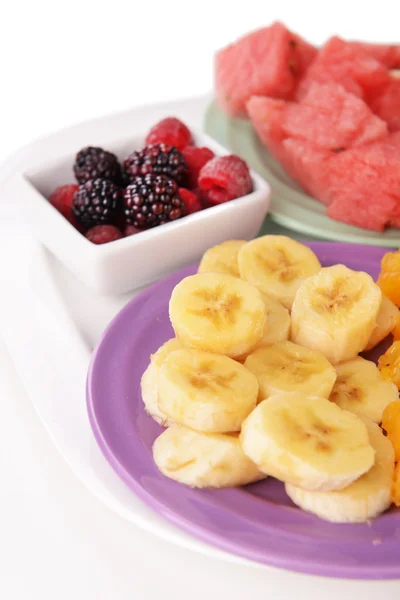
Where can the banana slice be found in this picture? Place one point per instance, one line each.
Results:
(277, 266)
(385, 321)
(361, 389)
(217, 313)
(277, 325)
(335, 312)
(149, 381)
(287, 367)
(222, 258)
(364, 499)
(203, 460)
(307, 441)
(206, 392)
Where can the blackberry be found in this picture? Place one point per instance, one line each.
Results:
(97, 202)
(92, 163)
(159, 159)
(152, 200)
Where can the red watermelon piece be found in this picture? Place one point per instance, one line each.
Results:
(387, 105)
(387, 54)
(300, 159)
(328, 117)
(360, 186)
(309, 166)
(266, 62)
(364, 185)
(302, 56)
(267, 116)
(350, 66)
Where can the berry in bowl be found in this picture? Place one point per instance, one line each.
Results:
(124, 213)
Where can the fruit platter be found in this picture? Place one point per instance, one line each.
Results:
(321, 125)
(252, 397)
(264, 399)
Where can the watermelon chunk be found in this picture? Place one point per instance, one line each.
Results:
(266, 62)
(387, 105)
(309, 166)
(387, 54)
(351, 66)
(328, 117)
(360, 186)
(303, 54)
(267, 116)
(364, 185)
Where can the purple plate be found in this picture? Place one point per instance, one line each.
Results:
(258, 522)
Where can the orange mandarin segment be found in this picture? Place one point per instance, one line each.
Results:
(390, 417)
(389, 278)
(396, 330)
(389, 364)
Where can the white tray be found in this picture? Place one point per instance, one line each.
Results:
(65, 314)
(76, 318)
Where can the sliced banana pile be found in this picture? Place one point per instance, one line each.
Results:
(263, 378)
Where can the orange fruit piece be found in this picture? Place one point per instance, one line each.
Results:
(396, 486)
(396, 330)
(389, 363)
(391, 424)
(389, 278)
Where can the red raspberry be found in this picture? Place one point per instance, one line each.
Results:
(102, 234)
(225, 178)
(216, 196)
(195, 159)
(131, 230)
(61, 198)
(190, 200)
(170, 131)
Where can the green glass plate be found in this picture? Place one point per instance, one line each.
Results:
(291, 207)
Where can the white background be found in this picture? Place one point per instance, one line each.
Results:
(64, 62)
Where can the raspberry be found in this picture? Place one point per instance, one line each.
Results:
(225, 178)
(195, 159)
(170, 131)
(102, 234)
(61, 198)
(97, 202)
(190, 200)
(396, 486)
(159, 159)
(92, 163)
(216, 196)
(152, 200)
(131, 230)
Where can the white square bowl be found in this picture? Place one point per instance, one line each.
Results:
(137, 260)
